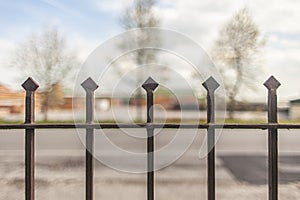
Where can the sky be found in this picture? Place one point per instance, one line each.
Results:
(87, 24)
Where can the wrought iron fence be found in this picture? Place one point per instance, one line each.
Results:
(150, 85)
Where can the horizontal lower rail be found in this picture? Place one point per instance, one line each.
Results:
(149, 125)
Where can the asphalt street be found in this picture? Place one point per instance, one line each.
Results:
(242, 152)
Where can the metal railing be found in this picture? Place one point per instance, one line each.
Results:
(150, 85)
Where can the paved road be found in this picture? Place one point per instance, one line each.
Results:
(241, 152)
(230, 141)
(240, 167)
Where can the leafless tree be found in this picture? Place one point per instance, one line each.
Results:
(141, 15)
(237, 53)
(45, 57)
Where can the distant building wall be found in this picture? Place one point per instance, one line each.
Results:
(13, 102)
(294, 112)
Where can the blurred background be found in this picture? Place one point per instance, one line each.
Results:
(245, 41)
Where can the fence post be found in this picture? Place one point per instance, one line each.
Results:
(272, 84)
(210, 85)
(89, 86)
(30, 86)
(150, 85)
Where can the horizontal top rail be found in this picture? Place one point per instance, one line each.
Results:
(149, 125)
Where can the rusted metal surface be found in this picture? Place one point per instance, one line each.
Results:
(210, 85)
(30, 86)
(272, 84)
(89, 86)
(150, 85)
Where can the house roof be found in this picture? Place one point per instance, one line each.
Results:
(4, 89)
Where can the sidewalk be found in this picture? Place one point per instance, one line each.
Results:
(63, 177)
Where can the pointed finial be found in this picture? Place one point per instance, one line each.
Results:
(272, 83)
(150, 84)
(210, 84)
(30, 85)
(89, 84)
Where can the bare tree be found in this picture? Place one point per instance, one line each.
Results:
(237, 53)
(141, 15)
(46, 58)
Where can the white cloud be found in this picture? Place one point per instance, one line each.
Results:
(83, 46)
(279, 20)
(112, 6)
(7, 73)
(201, 20)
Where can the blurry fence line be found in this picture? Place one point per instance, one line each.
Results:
(150, 85)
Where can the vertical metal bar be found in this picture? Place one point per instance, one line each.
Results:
(210, 85)
(272, 84)
(150, 85)
(30, 86)
(89, 86)
(150, 148)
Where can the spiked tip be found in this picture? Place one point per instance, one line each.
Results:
(150, 84)
(272, 83)
(89, 84)
(210, 84)
(30, 85)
